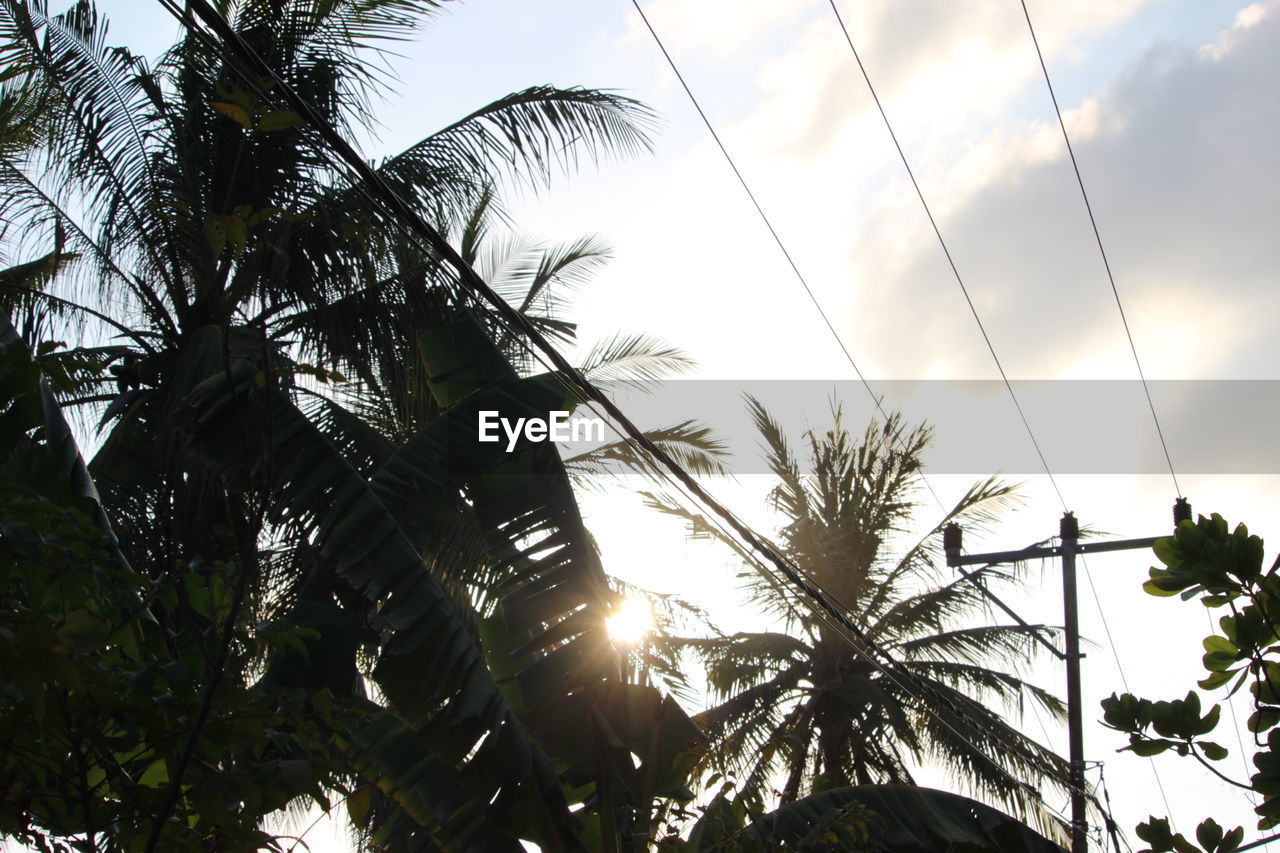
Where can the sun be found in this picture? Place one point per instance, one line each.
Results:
(631, 620)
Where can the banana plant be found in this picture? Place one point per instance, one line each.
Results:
(487, 701)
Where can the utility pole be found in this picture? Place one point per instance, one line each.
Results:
(1069, 545)
(1069, 536)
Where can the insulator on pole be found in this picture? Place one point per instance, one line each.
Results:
(1069, 528)
(1181, 511)
(952, 537)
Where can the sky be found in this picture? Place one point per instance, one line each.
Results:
(1173, 114)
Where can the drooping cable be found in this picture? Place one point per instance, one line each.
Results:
(1102, 252)
(946, 251)
(1133, 347)
(400, 212)
(978, 320)
(768, 224)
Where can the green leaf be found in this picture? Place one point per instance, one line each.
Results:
(1209, 834)
(1160, 588)
(1216, 643)
(235, 112)
(1147, 748)
(1262, 720)
(155, 776)
(278, 120)
(359, 805)
(1210, 721)
(1217, 679)
(1219, 661)
(1211, 750)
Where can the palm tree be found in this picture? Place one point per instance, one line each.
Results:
(803, 707)
(216, 232)
(537, 278)
(238, 267)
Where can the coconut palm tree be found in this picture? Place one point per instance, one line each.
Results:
(238, 268)
(802, 708)
(216, 231)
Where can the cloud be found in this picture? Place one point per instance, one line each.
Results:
(933, 63)
(718, 30)
(1178, 157)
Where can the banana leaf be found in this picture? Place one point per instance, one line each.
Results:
(52, 465)
(474, 756)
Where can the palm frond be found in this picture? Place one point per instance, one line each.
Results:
(845, 508)
(986, 644)
(694, 446)
(638, 360)
(735, 662)
(530, 135)
(933, 608)
(790, 496)
(981, 506)
(900, 818)
(989, 684)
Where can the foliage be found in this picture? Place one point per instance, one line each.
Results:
(805, 703)
(1223, 568)
(284, 557)
(247, 276)
(158, 706)
(99, 715)
(871, 818)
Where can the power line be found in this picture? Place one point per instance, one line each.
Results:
(1097, 236)
(781, 245)
(479, 290)
(768, 224)
(986, 338)
(946, 251)
(1133, 348)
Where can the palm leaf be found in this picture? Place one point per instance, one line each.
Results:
(363, 542)
(529, 135)
(635, 359)
(691, 444)
(40, 450)
(902, 819)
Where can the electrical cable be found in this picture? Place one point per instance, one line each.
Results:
(764, 217)
(768, 224)
(479, 290)
(977, 318)
(1075, 166)
(1097, 236)
(1115, 292)
(947, 253)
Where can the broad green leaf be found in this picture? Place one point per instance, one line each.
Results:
(1211, 750)
(235, 112)
(278, 120)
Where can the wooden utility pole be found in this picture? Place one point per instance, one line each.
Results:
(1069, 545)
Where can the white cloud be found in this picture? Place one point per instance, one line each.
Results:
(1247, 17)
(715, 29)
(1178, 156)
